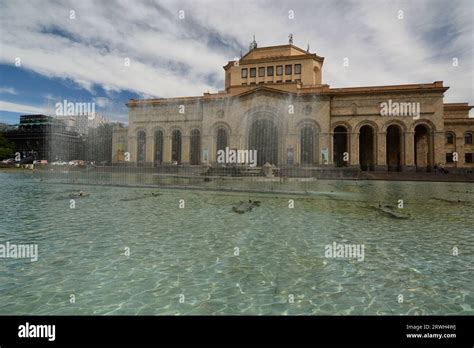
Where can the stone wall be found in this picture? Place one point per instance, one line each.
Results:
(421, 139)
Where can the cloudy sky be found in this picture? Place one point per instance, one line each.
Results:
(81, 55)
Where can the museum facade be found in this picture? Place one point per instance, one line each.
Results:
(275, 102)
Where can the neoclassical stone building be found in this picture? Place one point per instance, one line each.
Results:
(275, 102)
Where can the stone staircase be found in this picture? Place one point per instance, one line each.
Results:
(416, 176)
(236, 171)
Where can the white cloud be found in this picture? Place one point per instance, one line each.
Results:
(172, 57)
(20, 108)
(102, 102)
(8, 90)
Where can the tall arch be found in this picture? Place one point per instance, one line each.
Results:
(307, 145)
(176, 142)
(423, 150)
(141, 147)
(195, 147)
(394, 148)
(340, 146)
(222, 139)
(158, 147)
(367, 148)
(263, 137)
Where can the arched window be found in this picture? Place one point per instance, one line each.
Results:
(468, 138)
(263, 137)
(307, 145)
(394, 145)
(340, 146)
(141, 147)
(423, 150)
(176, 147)
(367, 147)
(221, 141)
(158, 147)
(195, 149)
(449, 138)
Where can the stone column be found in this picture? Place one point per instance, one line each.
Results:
(460, 150)
(207, 143)
(185, 148)
(237, 141)
(167, 149)
(381, 151)
(150, 145)
(132, 148)
(409, 149)
(292, 141)
(325, 142)
(212, 144)
(439, 155)
(353, 148)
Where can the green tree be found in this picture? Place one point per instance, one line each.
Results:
(6, 148)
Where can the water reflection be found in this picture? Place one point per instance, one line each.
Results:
(192, 251)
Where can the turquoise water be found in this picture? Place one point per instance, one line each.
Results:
(182, 261)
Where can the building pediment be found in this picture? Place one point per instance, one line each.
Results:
(266, 91)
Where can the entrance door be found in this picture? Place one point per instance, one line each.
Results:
(263, 137)
(340, 146)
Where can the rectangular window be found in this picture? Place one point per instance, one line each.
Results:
(449, 158)
(288, 69)
(261, 72)
(287, 80)
(279, 70)
(243, 73)
(297, 68)
(270, 71)
(253, 72)
(468, 158)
